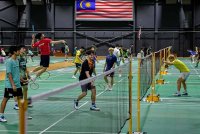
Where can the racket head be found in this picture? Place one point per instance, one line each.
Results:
(34, 85)
(45, 75)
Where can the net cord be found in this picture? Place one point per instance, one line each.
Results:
(35, 98)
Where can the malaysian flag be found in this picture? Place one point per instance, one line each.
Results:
(85, 5)
(112, 10)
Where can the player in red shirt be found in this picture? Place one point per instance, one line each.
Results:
(43, 44)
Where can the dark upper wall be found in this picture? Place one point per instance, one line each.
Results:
(64, 16)
(197, 13)
(8, 15)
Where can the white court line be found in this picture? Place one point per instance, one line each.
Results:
(67, 115)
(45, 130)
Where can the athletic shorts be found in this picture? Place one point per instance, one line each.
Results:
(184, 75)
(111, 74)
(9, 93)
(87, 87)
(78, 65)
(44, 60)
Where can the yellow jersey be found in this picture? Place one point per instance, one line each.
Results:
(77, 58)
(180, 66)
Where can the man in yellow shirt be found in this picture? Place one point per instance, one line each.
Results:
(78, 61)
(184, 70)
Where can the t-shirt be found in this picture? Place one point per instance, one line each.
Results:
(180, 66)
(22, 65)
(3, 53)
(66, 49)
(12, 66)
(110, 60)
(116, 52)
(77, 58)
(192, 52)
(43, 45)
(86, 66)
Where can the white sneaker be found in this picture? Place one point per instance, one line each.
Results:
(30, 105)
(107, 87)
(177, 94)
(94, 108)
(74, 77)
(110, 89)
(3, 119)
(29, 117)
(16, 107)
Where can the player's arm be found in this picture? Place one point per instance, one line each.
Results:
(22, 80)
(88, 76)
(104, 66)
(33, 42)
(114, 64)
(168, 62)
(8, 71)
(27, 74)
(58, 42)
(12, 82)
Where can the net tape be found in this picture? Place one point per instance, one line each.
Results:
(35, 98)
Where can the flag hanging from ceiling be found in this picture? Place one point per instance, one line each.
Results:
(111, 10)
(85, 5)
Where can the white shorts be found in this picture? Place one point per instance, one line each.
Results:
(184, 75)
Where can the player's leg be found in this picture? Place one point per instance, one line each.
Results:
(83, 94)
(93, 99)
(42, 70)
(44, 63)
(185, 88)
(107, 82)
(111, 81)
(197, 63)
(3, 106)
(16, 107)
(36, 69)
(193, 58)
(7, 93)
(73, 76)
(185, 76)
(78, 68)
(179, 81)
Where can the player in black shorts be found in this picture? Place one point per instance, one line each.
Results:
(86, 72)
(12, 81)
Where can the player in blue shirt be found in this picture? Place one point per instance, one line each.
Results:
(111, 59)
(12, 81)
(192, 55)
